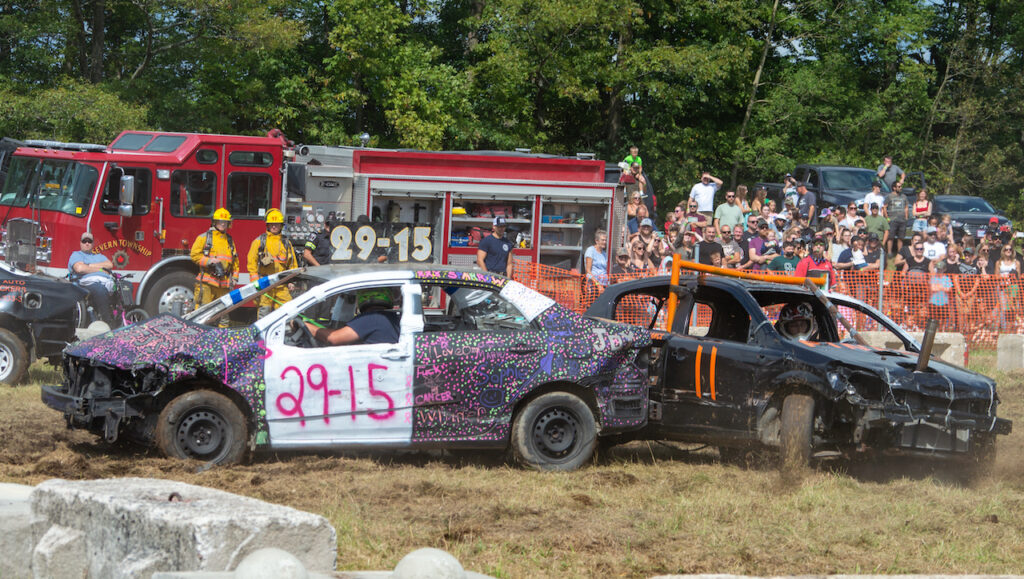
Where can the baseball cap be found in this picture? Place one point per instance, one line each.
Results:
(86, 236)
(789, 174)
(872, 237)
(621, 251)
(930, 229)
(647, 222)
(993, 219)
(828, 229)
(969, 250)
(818, 240)
(874, 205)
(499, 221)
(761, 223)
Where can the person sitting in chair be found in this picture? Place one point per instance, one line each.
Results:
(377, 322)
(89, 270)
(796, 321)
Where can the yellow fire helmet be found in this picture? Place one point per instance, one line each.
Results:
(274, 216)
(458, 210)
(222, 215)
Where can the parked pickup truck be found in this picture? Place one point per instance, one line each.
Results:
(832, 185)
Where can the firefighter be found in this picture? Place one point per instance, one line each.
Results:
(318, 249)
(214, 253)
(271, 253)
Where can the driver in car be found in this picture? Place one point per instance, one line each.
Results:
(377, 322)
(796, 321)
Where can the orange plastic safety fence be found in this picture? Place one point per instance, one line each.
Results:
(978, 306)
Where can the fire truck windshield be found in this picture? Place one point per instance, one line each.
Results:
(53, 184)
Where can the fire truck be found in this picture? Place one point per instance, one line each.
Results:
(148, 195)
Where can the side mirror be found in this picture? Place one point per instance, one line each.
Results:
(127, 196)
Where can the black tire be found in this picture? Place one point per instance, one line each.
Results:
(202, 425)
(555, 431)
(981, 461)
(135, 316)
(795, 431)
(13, 358)
(175, 286)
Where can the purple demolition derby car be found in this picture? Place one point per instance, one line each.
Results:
(491, 364)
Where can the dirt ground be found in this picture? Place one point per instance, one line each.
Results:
(649, 509)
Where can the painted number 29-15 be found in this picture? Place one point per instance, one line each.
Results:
(366, 241)
(317, 380)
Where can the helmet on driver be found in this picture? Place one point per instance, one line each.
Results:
(380, 298)
(796, 321)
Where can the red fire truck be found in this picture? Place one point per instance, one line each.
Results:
(148, 195)
(145, 198)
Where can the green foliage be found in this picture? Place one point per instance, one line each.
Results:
(72, 111)
(935, 84)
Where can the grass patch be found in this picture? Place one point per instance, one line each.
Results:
(651, 509)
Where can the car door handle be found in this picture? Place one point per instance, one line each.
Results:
(523, 349)
(394, 355)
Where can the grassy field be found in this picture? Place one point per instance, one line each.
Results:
(649, 509)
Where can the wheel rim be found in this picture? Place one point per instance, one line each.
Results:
(177, 293)
(555, 433)
(6, 362)
(203, 434)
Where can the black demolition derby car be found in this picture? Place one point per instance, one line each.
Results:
(38, 318)
(762, 365)
(459, 359)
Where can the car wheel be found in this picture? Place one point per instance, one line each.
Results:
(13, 358)
(795, 431)
(178, 286)
(137, 315)
(555, 431)
(202, 425)
(982, 458)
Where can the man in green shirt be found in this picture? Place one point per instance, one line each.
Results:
(877, 224)
(729, 213)
(786, 262)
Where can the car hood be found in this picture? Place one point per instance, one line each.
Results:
(173, 344)
(940, 379)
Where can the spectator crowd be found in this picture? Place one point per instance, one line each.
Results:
(968, 280)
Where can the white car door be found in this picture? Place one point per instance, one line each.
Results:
(357, 394)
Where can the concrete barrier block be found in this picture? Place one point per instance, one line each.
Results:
(61, 552)
(1010, 352)
(19, 531)
(949, 346)
(135, 527)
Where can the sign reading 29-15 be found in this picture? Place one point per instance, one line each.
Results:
(369, 242)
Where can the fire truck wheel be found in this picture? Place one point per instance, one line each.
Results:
(177, 286)
(13, 358)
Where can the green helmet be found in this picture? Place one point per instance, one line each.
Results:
(374, 297)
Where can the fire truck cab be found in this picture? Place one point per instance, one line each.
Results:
(145, 198)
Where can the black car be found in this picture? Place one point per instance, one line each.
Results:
(727, 376)
(969, 214)
(38, 318)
